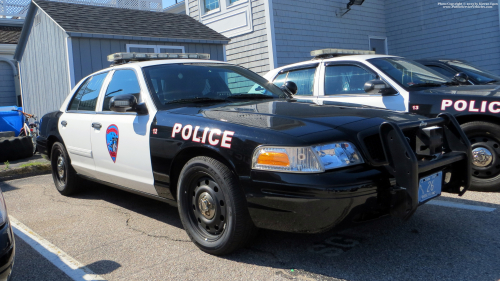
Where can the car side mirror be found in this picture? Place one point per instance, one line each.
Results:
(461, 78)
(290, 88)
(374, 87)
(127, 103)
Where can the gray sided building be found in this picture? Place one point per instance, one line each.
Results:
(266, 34)
(61, 43)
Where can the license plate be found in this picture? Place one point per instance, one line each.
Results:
(430, 187)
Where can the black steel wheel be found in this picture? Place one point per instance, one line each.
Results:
(212, 207)
(64, 176)
(485, 141)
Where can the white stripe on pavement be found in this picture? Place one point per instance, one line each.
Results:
(56, 256)
(460, 206)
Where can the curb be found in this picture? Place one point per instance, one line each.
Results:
(18, 173)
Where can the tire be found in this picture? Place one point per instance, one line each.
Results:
(484, 137)
(15, 148)
(222, 226)
(65, 178)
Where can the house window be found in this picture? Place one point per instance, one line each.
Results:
(137, 48)
(232, 1)
(211, 5)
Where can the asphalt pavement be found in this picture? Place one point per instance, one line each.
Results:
(122, 236)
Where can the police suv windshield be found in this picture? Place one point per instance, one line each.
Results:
(210, 82)
(479, 75)
(409, 74)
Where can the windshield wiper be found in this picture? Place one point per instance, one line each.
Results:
(425, 85)
(492, 81)
(197, 100)
(250, 96)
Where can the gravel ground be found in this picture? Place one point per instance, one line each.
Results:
(122, 236)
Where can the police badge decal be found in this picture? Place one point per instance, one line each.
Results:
(112, 137)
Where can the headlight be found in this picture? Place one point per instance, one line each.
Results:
(339, 154)
(309, 159)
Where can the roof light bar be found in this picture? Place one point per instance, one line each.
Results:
(126, 57)
(339, 52)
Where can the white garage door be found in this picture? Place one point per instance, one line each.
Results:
(7, 87)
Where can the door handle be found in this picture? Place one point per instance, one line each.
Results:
(64, 123)
(96, 125)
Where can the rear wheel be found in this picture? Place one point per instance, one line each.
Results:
(65, 178)
(485, 141)
(212, 207)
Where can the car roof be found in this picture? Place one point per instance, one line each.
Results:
(141, 64)
(339, 58)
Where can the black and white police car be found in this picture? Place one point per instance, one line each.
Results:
(236, 153)
(362, 77)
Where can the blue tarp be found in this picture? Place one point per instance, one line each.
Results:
(11, 120)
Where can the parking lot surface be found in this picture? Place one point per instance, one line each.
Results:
(122, 236)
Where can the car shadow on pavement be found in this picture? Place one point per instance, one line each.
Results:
(154, 209)
(437, 243)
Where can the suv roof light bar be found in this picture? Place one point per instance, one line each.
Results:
(331, 53)
(120, 58)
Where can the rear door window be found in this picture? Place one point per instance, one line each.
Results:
(304, 78)
(85, 98)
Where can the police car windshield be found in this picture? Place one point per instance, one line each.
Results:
(409, 74)
(206, 82)
(481, 76)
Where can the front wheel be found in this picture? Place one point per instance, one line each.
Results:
(485, 141)
(212, 207)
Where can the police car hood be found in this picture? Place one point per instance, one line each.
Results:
(473, 90)
(298, 118)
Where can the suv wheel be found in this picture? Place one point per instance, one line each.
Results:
(485, 141)
(212, 207)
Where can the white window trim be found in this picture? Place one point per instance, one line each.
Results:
(378, 37)
(155, 47)
(226, 11)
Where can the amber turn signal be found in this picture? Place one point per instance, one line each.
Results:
(274, 158)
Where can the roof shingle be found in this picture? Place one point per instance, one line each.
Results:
(117, 21)
(10, 34)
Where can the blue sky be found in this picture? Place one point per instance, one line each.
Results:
(167, 3)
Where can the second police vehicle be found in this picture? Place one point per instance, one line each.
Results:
(396, 83)
(236, 153)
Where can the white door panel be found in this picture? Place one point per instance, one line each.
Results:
(132, 165)
(76, 137)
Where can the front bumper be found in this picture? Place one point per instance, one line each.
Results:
(317, 202)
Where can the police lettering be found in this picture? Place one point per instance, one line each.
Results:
(472, 106)
(212, 136)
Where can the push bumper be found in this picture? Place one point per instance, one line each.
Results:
(318, 202)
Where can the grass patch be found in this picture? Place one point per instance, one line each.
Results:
(32, 164)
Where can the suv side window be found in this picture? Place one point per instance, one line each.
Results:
(346, 79)
(124, 82)
(86, 97)
(304, 78)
